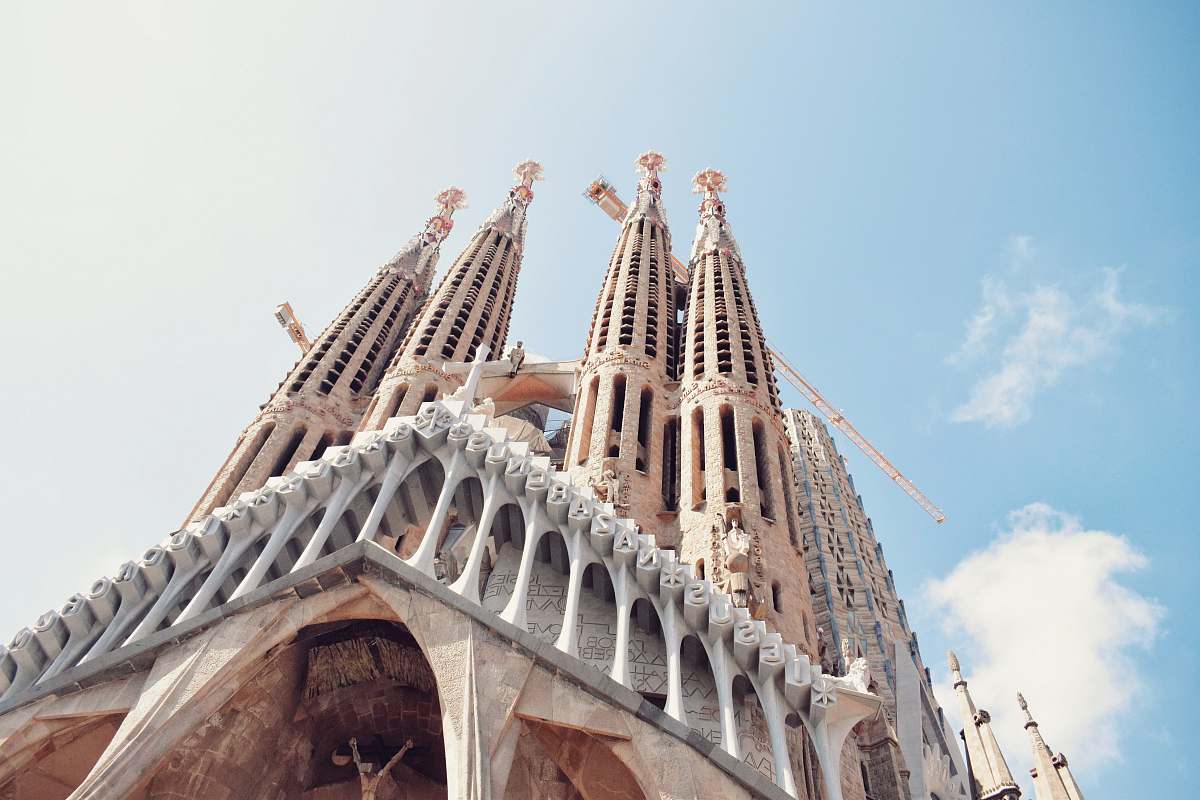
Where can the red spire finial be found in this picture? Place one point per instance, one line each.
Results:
(439, 226)
(526, 172)
(708, 182)
(650, 163)
(451, 199)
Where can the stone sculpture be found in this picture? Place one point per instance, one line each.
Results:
(516, 357)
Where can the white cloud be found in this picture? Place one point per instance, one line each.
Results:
(1048, 332)
(982, 326)
(1020, 251)
(1041, 610)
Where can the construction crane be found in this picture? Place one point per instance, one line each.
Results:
(602, 193)
(291, 323)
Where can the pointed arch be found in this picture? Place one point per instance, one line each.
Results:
(753, 740)
(51, 771)
(700, 703)
(597, 622)
(547, 595)
(647, 656)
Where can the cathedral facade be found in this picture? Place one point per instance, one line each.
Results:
(402, 583)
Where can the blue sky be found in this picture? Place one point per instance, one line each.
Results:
(898, 178)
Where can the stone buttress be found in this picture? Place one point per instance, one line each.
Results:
(322, 399)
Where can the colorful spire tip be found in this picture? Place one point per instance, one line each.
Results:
(527, 172)
(708, 181)
(651, 162)
(451, 199)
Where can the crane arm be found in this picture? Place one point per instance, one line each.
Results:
(291, 323)
(838, 420)
(603, 194)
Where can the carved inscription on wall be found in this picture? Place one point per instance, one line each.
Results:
(290, 405)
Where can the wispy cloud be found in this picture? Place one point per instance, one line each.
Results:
(1032, 336)
(1042, 610)
(981, 328)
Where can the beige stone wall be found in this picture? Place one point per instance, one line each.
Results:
(596, 446)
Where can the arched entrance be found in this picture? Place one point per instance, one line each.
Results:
(343, 699)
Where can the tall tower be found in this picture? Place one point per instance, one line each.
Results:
(470, 307)
(1052, 778)
(993, 780)
(737, 518)
(859, 613)
(321, 401)
(621, 438)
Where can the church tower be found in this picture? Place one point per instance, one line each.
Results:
(396, 585)
(1052, 778)
(621, 439)
(321, 401)
(737, 510)
(993, 780)
(470, 308)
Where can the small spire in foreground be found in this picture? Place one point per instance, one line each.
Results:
(989, 770)
(1052, 778)
(955, 667)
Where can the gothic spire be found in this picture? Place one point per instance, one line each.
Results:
(713, 231)
(509, 216)
(736, 476)
(648, 200)
(470, 308)
(993, 780)
(1052, 778)
(418, 257)
(620, 422)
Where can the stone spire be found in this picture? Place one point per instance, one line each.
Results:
(738, 493)
(322, 400)
(418, 257)
(1052, 778)
(620, 427)
(993, 780)
(470, 308)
